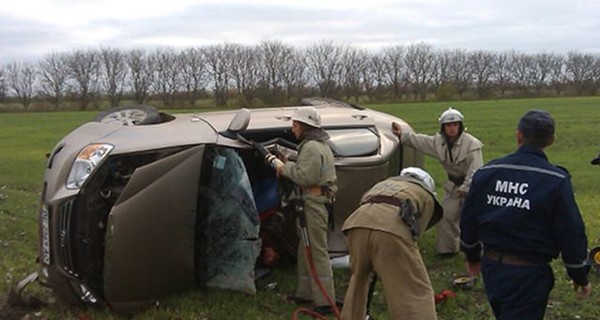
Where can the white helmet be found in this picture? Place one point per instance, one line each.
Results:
(307, 115)
(420, 175)
(451, 115)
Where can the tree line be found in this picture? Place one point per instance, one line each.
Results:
(274, 73)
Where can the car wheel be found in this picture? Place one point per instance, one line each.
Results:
(129, 116)
(316, 101)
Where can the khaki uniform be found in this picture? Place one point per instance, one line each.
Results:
(314, 168)
(380, 242)
(464, 158)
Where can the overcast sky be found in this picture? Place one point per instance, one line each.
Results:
(31, 28)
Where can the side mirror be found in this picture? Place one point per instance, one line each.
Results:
(240, 121)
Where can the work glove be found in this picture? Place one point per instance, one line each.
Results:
(273, 161)
(397, 129)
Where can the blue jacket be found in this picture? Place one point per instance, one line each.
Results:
(523, 205)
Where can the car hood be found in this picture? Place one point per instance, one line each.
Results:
(185, 129)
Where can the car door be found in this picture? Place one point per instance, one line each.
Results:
(149, 249)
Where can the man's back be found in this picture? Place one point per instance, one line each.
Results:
(523, 202)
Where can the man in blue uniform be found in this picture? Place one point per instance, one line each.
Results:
(521, 213)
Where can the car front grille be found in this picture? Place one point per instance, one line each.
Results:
(65, 212)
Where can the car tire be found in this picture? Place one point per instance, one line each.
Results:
(316, 101)
(129, 116)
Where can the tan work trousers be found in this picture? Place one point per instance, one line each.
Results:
(448, 229)
(400, 268)
(316, 225)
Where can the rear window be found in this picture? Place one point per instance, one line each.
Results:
(353, 142)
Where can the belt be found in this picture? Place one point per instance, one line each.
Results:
(385, 199)
(456, 180)
(407, 212)
(509, 259)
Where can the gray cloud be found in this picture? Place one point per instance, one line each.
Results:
(527, 26)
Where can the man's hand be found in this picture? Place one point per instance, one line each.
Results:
(473, 269)
(397, 129)
(585, 290)
(281, 156)
(274, 162)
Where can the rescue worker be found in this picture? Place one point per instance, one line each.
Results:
(382, 235)
(460, 155)
(314, 173)
(521, 210)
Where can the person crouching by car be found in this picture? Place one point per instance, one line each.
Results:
(314, 172)
(382, 235)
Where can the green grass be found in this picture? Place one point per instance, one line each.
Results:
(27, 137)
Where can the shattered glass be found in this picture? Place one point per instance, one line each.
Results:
(229, 226)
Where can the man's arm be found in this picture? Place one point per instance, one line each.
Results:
(469, 239)
(569, 231)
(306, 171)
(475, 161)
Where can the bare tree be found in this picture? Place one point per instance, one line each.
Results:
(275, 57)
(419, 61)
(245, 72)
(482, 65)
(324, 62)
(218, 59)
(166, 78)
(193, 74)
(83, 71)
(502, 72)
(294, 76)
(275, 73)
(595, 76)
(354, 64)
(113, 70)
(3, 84)
(140, 74)
(441, 75)
(54, 74)
(557, 77)
(397, 73)
(460, 73)
(21, 79)
(580, 70)
(374, 77)
(539, 72)
(521, 64)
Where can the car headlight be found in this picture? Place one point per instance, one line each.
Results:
(86, 162)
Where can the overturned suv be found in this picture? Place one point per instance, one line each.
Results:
(140, 204)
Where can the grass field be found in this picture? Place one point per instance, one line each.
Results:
(25, 138)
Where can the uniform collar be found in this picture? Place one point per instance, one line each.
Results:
(455, 143)
(533, 151)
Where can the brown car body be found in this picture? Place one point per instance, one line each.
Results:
(125, 237)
